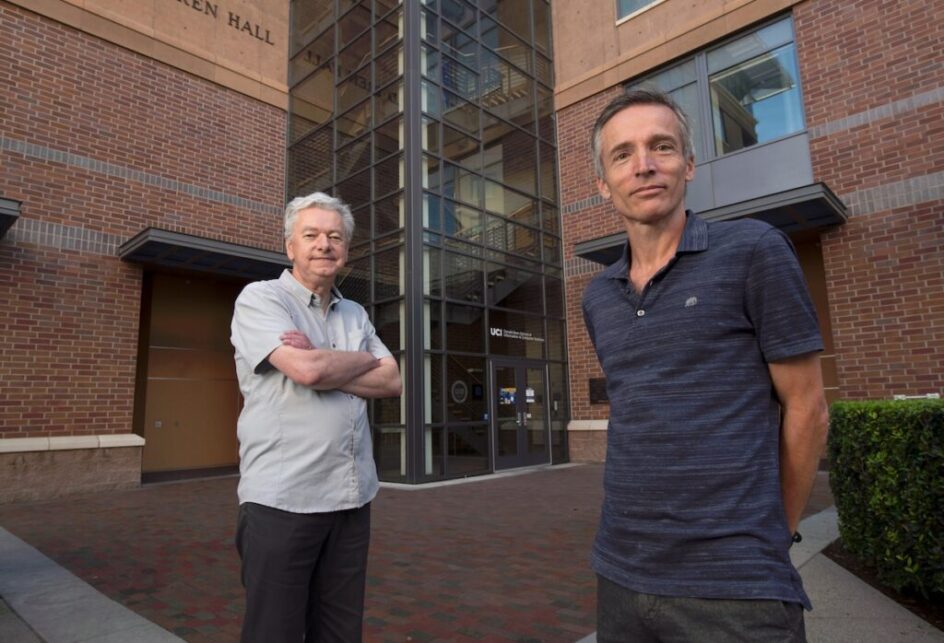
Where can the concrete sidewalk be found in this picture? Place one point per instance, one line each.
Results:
(444, 589)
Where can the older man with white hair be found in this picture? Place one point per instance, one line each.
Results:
(306, 360)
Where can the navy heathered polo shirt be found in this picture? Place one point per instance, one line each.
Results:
(692, 503)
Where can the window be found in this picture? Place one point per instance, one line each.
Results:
(743, 92)
(626, 7)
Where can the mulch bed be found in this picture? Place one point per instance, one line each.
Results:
(930, 609)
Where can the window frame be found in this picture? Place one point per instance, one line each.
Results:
(704, 139)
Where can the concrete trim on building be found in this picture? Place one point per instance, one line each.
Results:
(588, 425)
(70, 442)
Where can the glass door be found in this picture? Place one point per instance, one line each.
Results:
(520, 426)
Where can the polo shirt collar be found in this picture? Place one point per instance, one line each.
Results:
(694, 239)
(305, 296)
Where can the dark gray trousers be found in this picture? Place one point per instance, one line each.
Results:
(304, 574)
(627, 616)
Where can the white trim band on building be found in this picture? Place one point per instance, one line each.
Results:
(70, 442)
(587, 425)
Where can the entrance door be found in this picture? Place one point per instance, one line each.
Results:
(520, 428)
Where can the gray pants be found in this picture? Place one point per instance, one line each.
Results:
(304, 574)
(627, 616)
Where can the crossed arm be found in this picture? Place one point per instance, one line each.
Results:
(799, 385)
(355, 372)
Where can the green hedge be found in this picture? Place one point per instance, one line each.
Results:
(887, 477)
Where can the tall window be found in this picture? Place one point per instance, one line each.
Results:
(627, 7)
(745, 91)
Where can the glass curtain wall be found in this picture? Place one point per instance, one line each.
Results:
(451, 169)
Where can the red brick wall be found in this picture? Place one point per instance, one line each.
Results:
(69, 317)
(860, 61)
(577, 185)
(873, 85)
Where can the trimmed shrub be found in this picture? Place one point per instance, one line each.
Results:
(887, 477)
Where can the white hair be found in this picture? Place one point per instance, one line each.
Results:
(321, 201)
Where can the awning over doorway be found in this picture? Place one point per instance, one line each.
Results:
(164, 249)
(804, 209)
(9, 213)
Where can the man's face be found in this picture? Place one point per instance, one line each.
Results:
(644, 165)
(317, 247)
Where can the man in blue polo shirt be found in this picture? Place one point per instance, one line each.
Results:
(708, 340)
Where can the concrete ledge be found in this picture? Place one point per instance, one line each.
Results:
(70, 442)
(587, 425)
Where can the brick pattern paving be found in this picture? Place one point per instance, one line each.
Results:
(502, 559)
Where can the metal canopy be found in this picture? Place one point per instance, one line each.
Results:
(9, 213)
(161, 248)
(805, 209)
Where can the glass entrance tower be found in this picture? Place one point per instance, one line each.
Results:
(434, 120)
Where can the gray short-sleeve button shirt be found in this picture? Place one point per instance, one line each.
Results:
(300, 450)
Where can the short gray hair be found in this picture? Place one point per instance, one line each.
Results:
(630, 98)
(321, 201)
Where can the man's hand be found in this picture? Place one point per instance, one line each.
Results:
(297, 339)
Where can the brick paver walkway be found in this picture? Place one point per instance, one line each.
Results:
(500, 559)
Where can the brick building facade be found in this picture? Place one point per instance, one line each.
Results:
(872, 83)
(107, 132)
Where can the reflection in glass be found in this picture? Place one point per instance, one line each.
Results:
(513, 14)
(388, 214)
(433, 374)
(461, 185)
(356, 284)
(387, 30)
(467, 450)
(542, 26)
(432, 324)
(509, 203)
(514, 288)
(355, 190)
(309, 19)
(548, 172)
(309, 165)
(555, 339)
(353, 157)
(458, 78)
(354, 56)
(387, 321)
(462, 222)
(465, 388)
(390, 452)
(388, 277)
(388, 139)
(432, 283)
(506, 236)
(311, 104)
(388, 176)
(554, 296)
(353, 23)
(461, 149)
(353, 124)
(317, 55)
(388, 101)
(464, 277)
(756, 101)
(353, 90)
(559, 410)
(507, 413)
(626, 7)
(465, 328)
(388, 66)
(460, 113)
